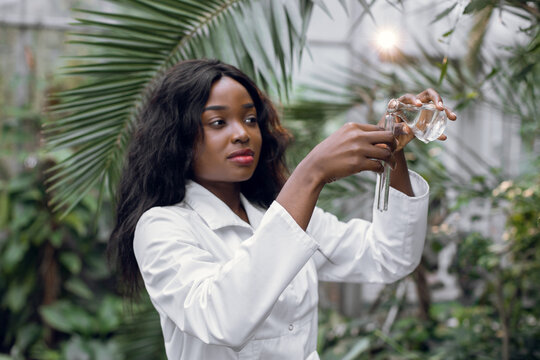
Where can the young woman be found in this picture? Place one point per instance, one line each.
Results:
(230, 248)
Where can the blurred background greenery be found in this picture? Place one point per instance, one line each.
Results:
(62, 141)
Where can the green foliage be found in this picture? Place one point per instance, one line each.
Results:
(131, 47)
(51, 272)
(57, 296)
(495, 316)
(497, 313)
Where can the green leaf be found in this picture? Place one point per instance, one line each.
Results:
(26, 336)
(21, 183)
(71, 261)
(56, 239)
(76, 223)
(77, 348)
(131, 48)
(96, 267)
(366, 7)
(322, 5)
(76, 286)
(361, 346)
(477, 5)
(17, 294)
(67, 317)
(448, 33)
(443, 13)
(104, 349)
(13, 254)
(444, 69)
(4, 209)
(110, 314)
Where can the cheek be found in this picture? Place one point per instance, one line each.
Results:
(197, 150)
(257, 138)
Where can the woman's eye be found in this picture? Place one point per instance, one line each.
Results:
(251, 120)
(216, 123)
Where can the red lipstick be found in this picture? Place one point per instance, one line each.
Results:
(242, 157)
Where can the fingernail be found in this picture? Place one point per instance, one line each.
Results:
(440, 103)
(453, 114)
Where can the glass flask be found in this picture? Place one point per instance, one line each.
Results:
(426, 122)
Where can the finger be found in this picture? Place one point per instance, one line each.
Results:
(390, 146)
(410, 99)
(374, 165)
(431, 95)
(383, 136)
(380, 152)
(450, 114)
(370, 127)
(442, 137)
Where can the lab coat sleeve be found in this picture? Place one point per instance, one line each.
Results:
(381, 251)
(219, 302)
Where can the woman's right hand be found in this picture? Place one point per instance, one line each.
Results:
(350, 150)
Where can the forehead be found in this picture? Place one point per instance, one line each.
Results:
(228, 91)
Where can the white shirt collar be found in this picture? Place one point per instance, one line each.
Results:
(215, 212)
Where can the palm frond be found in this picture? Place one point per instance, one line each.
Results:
(131, 47)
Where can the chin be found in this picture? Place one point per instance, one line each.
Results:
(245, 178)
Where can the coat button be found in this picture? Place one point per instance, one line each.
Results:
(291, 327)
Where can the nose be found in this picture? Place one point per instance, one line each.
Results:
(240, 134)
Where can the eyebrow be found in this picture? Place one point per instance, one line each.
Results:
(223, 107)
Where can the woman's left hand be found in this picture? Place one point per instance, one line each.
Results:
(402, 132)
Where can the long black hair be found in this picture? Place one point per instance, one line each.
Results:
(161, 152)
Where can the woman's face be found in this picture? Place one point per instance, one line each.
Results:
(231, 146)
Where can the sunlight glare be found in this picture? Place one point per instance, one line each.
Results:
(386, 39)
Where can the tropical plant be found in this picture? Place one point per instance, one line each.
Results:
(132, 47)
(95, 121)
(57, 298)
(501, 314)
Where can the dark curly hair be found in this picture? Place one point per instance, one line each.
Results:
(161, 152)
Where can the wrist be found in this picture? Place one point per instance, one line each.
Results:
(310, 173)
(399, 177)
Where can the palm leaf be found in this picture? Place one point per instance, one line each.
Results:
(133, 46)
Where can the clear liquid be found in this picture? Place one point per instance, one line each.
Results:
(426, 122)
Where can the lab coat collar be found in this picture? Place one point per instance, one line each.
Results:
(215, 212)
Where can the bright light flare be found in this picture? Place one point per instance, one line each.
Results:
(386, 40)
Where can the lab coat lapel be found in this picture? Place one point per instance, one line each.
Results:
(215, 213)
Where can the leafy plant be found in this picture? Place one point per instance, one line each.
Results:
(130, 48)
(96, 119)
(57, 298)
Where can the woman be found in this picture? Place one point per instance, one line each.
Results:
(229, 247)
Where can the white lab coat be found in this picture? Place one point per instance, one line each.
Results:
(226, 289)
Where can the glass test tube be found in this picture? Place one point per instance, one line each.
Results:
(383, 179)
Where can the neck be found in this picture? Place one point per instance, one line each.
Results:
(229, 193)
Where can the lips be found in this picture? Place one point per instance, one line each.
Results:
(243, 152)
(242, 157)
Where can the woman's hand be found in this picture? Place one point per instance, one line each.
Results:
(402, 132)
(350, 150)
